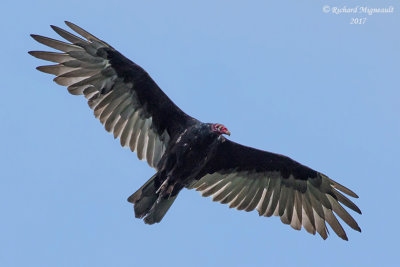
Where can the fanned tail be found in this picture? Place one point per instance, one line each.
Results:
(148, 203)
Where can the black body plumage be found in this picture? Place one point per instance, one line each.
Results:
(187, 156)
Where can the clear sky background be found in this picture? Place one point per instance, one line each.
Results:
(283, 76)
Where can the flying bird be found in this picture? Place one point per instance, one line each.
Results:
(185, 152)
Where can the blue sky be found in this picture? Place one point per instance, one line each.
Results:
(283, 76)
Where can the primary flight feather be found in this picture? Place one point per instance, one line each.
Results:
(185, 152)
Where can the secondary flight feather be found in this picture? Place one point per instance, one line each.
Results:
(185, 152)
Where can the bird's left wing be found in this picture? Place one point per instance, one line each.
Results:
(248, 179)
(123, 96)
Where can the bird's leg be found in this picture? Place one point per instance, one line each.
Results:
(165, 189)
(163, 186)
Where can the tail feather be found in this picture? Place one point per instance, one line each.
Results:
(149, 204)
(144, 198)
(159, 209)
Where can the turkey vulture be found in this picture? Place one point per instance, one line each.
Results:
(185, 152)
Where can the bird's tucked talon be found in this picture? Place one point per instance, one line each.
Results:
(169, 190)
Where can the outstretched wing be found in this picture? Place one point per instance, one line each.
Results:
(123, 96)
(248, 179)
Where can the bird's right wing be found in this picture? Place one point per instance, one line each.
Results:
(247, 178)
(123, 96)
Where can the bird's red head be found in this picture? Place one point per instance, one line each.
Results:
(219, 129)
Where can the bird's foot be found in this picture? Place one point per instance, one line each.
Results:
(169, 191)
